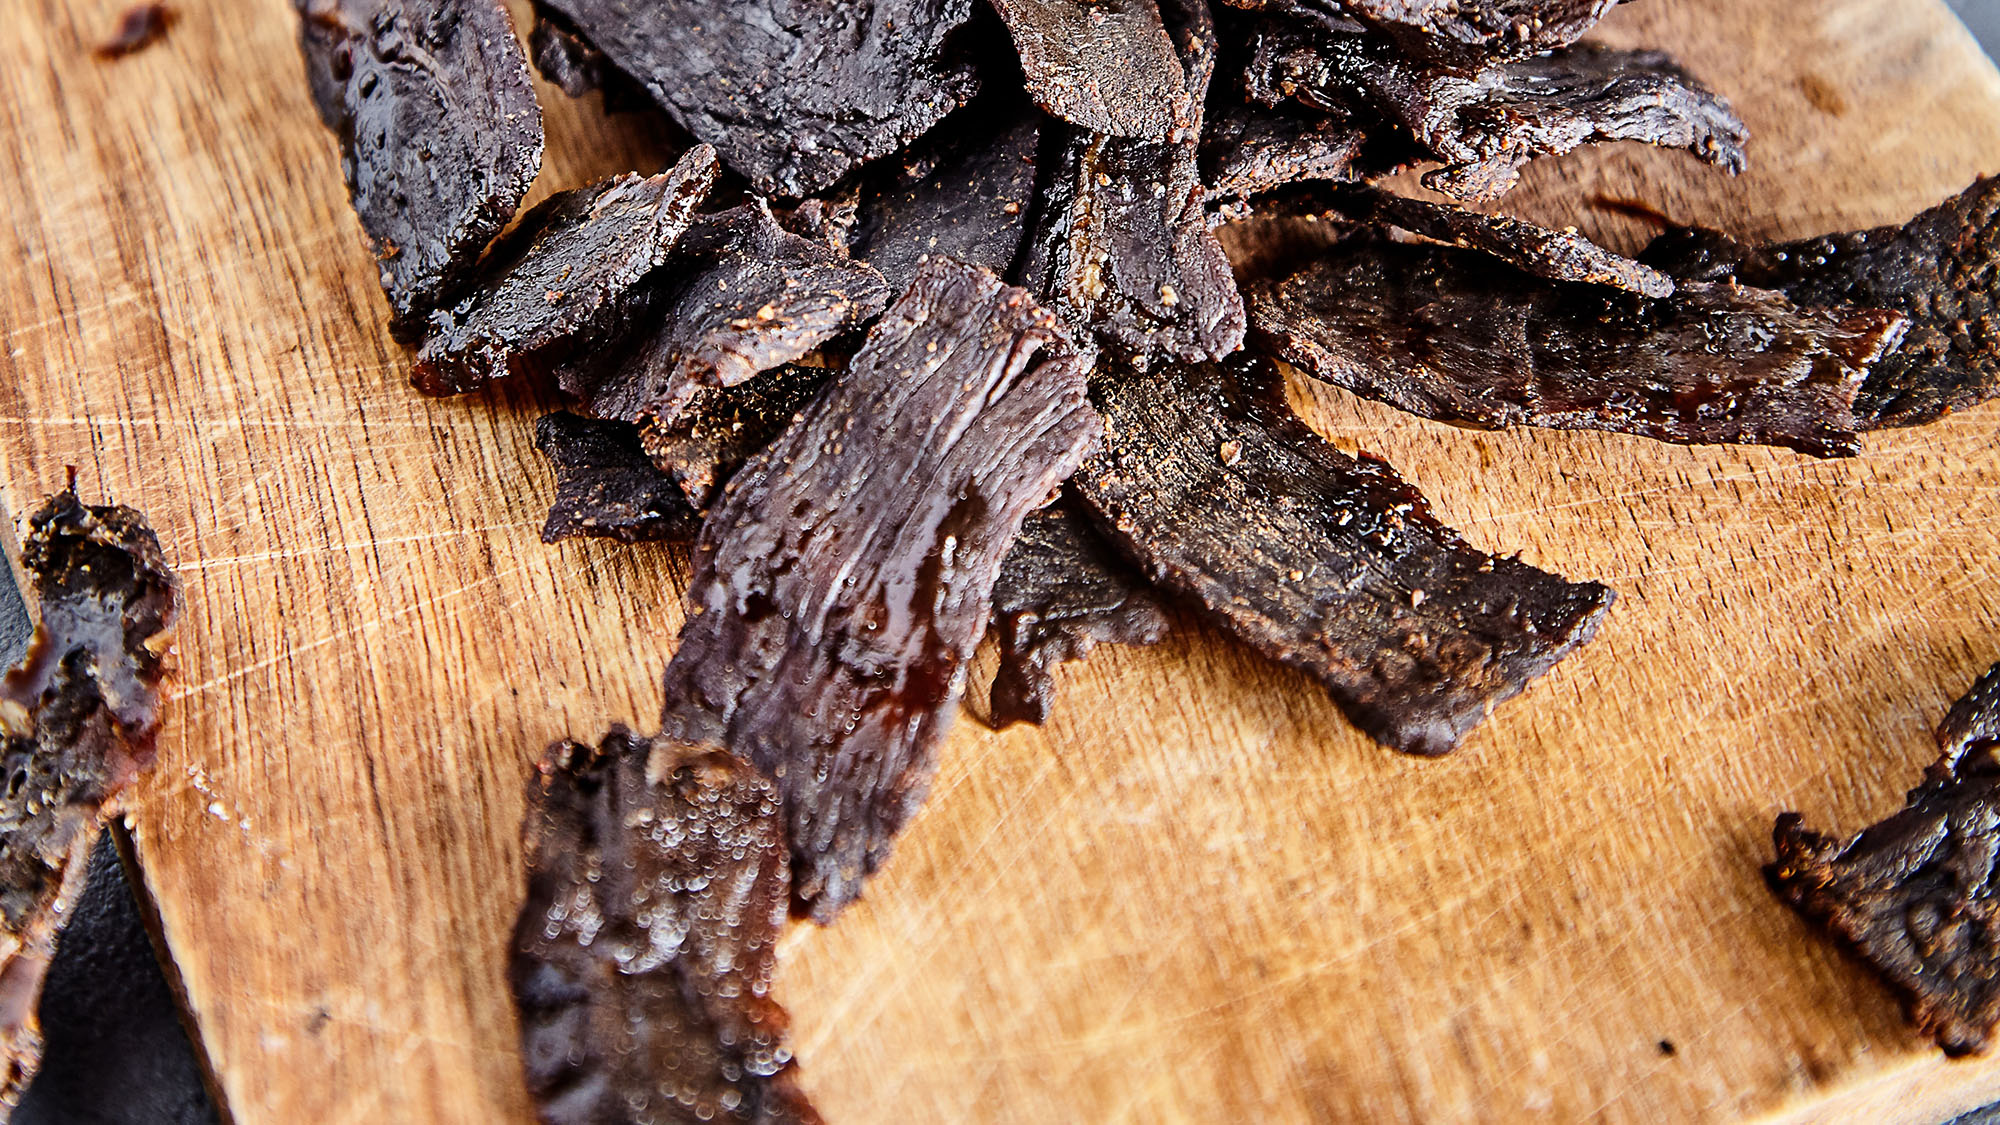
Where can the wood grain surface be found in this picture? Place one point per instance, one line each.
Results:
(1198, 895)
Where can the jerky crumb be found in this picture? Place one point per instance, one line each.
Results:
(140, 27)
(1232, 452)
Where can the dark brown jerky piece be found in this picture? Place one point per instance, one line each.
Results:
(1121, 245)
(440, 135)
(1248, 149)
(847, 573)
(739, 295)
(1061, 593)
(721, 429)
(1914, 895)
(1464, 32)
(963, 192)
(1451, 335)
(1485, 125)
(792, 93)
(567, 270)
(140, 27)
(1331, 565)
(606, 486)
(1938, 269)
(77, 715)
(643, 959)
(1104, 65)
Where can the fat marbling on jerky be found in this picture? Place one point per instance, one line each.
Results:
(643, 959)
(1062, 592)
(77, 715)
(846, 574)
(1104, 65)
(571, 266)
(1941, 269)
(606, 486)
(738, 296)
(440, 135)
(793, 93)
(1453, 335)
(1914, 895)
(1485, 125)
(1323, 562)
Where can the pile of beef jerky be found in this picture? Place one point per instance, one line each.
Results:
(921, 333)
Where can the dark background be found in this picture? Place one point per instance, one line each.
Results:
(116, 1052)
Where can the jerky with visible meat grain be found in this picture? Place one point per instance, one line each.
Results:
(567, 271)
(440, 134)
(644, 955)
(77, 718)
(1939, 269)
(1329, 564)
(606, 486)
(1452, 335)
(1914, 895)
(794, 94)
(1062, 592)
(722, 428)
(846, 574)
(1248, 149)
(1103, 65)
(1462, 32)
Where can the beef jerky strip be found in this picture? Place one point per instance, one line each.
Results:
(962, 192)
(739, 295)
(1914, 895)
(77, 715)
(1460, 32)
(606, 486)
(721, 429)
(1484, 126)
(1938, 269)
(1452, 335)
(439, 131)
(568, 269)
(846, 575)
(643, 959)
(1062, 592)
(1248, 149)
(1331, 565)
(792, 93)
(1104, 65)
(1122, 247)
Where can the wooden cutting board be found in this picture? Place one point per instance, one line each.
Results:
(1198, 895)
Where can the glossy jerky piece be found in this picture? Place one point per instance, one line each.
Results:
(1332, 565)
(440, 134)
(1914, 895)
(964, 192)
(846, 574)
(1062, 592)
(77, 716)
(1485, 125)
(1104, 65)
(1447, 334)
(643, 959)
(606, 486)
(1938, 269)
(1249, 149)
(793, 93)
(739, 296)
(141, 26)
(565, 272)
(722, 428)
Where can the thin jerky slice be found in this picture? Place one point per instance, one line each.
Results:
(1448, 334)
(846, 575)
(440, 134)
(739, 296)
(606, 486)
(963, 192)
(1484, 126)
(1121, 246)
(1331, 565)
(1914, 895)
(1062, 592)
(1104, 65)
(792, 93)
(1462, 32)
(78, 715)
(722, 428)
(569, 267)
(1248, 149)
(1938, 269)
(644, 956)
